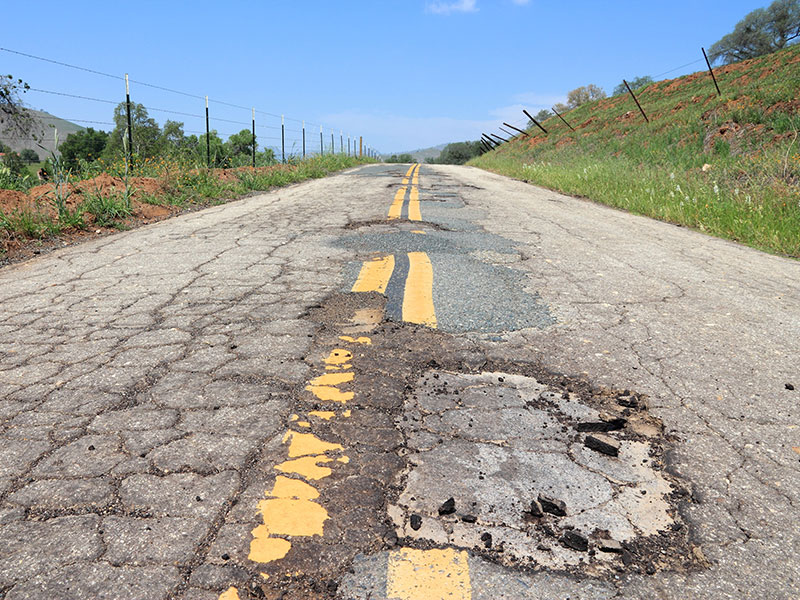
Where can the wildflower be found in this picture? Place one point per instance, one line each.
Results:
(716, 189)
(672, 175)
(678, 189)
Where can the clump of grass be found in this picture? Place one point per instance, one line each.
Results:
(728, 166)
(29, 223)
(108, 210)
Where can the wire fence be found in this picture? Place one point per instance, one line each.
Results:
(491, 140)
(288, 137)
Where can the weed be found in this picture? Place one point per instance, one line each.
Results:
(107, 210)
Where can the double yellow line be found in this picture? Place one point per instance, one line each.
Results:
(376, 273)
(418, 306)
(396, 209)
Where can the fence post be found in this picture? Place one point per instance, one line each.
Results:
(525, 133)
(360, 146)
(635, 100)
(254, 137)
(208, 139)
(321, 149)
(562, 118)
(304, 138)
(710, 70)
(535, 122)
(348, 144)
(333, 147)
(341, 142)
(283, 142)
(130, 129)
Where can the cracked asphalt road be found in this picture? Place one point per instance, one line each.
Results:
(174, 397)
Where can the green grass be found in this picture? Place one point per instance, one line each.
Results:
(743, 186)
(108, 210)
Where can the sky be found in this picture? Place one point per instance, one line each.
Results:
(402, 74)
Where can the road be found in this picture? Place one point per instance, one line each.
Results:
(401, 382)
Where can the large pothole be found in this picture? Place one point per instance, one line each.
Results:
(533, 475)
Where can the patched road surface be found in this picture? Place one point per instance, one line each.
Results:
(403, 382)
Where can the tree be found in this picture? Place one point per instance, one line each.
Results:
(85, 145)
(458, 153)
(29, 155)
(241, 144)
(15, 164)
(584, 94)
(399, 158)
(561, 107)
(13, 115)
(172, 135)
(762, 31)
(219, 154)
(145, 132)
(635, 83)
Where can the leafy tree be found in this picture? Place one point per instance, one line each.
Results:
(172, 135)
(219, 152)
(543, 115)
(762, 31)
(29, 155)
(561, 107)
(85, 145)
(12, 112)
(458, 153)
(15, 164)
(584, 94)
(241, 144)
(635, 83)
(145, 132)
(400, 158)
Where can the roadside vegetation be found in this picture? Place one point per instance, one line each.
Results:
(727, 165)
(96, 182)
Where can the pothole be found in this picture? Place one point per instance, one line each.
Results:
(531, 475)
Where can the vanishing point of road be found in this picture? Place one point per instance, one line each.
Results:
(405, 382)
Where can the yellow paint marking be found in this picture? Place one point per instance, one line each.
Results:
(428, 575)
(305, 444)
(303, 424)
(292, 516)
(408, 173)
(347, 413)
(413, 205)
(415, 176)
(230, 594)
(264, 575)
(359, 340)
(307, 467)
(338, 356)
(419, 231)
(374, 275)
(286, 487)
(343, 459)
(418, 295)
(330, 394)
(396, 209)
(332, 378)
(293, 418)
(322, 414)
(264, 549)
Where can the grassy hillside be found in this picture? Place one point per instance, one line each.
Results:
(728, 166)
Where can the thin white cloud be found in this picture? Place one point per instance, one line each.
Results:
(448, 8)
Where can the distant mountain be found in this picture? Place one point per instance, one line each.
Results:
(421, 154)
(42, 133)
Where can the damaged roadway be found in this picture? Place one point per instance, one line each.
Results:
(203, 408)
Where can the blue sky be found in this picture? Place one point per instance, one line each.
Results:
(404, 74)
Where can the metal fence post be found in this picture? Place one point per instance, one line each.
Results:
(635, 100)
(283, 141)
(333, 148)
(130, 129)
(710, 70)
(321, 149)
(360, 145)
(208, 139)
(304, 139)
(254, 137)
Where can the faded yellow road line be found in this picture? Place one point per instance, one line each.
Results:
(418, 295)
(396, 209)
(428, 575)
(414, 213)
(408, 173)
(375, 275)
